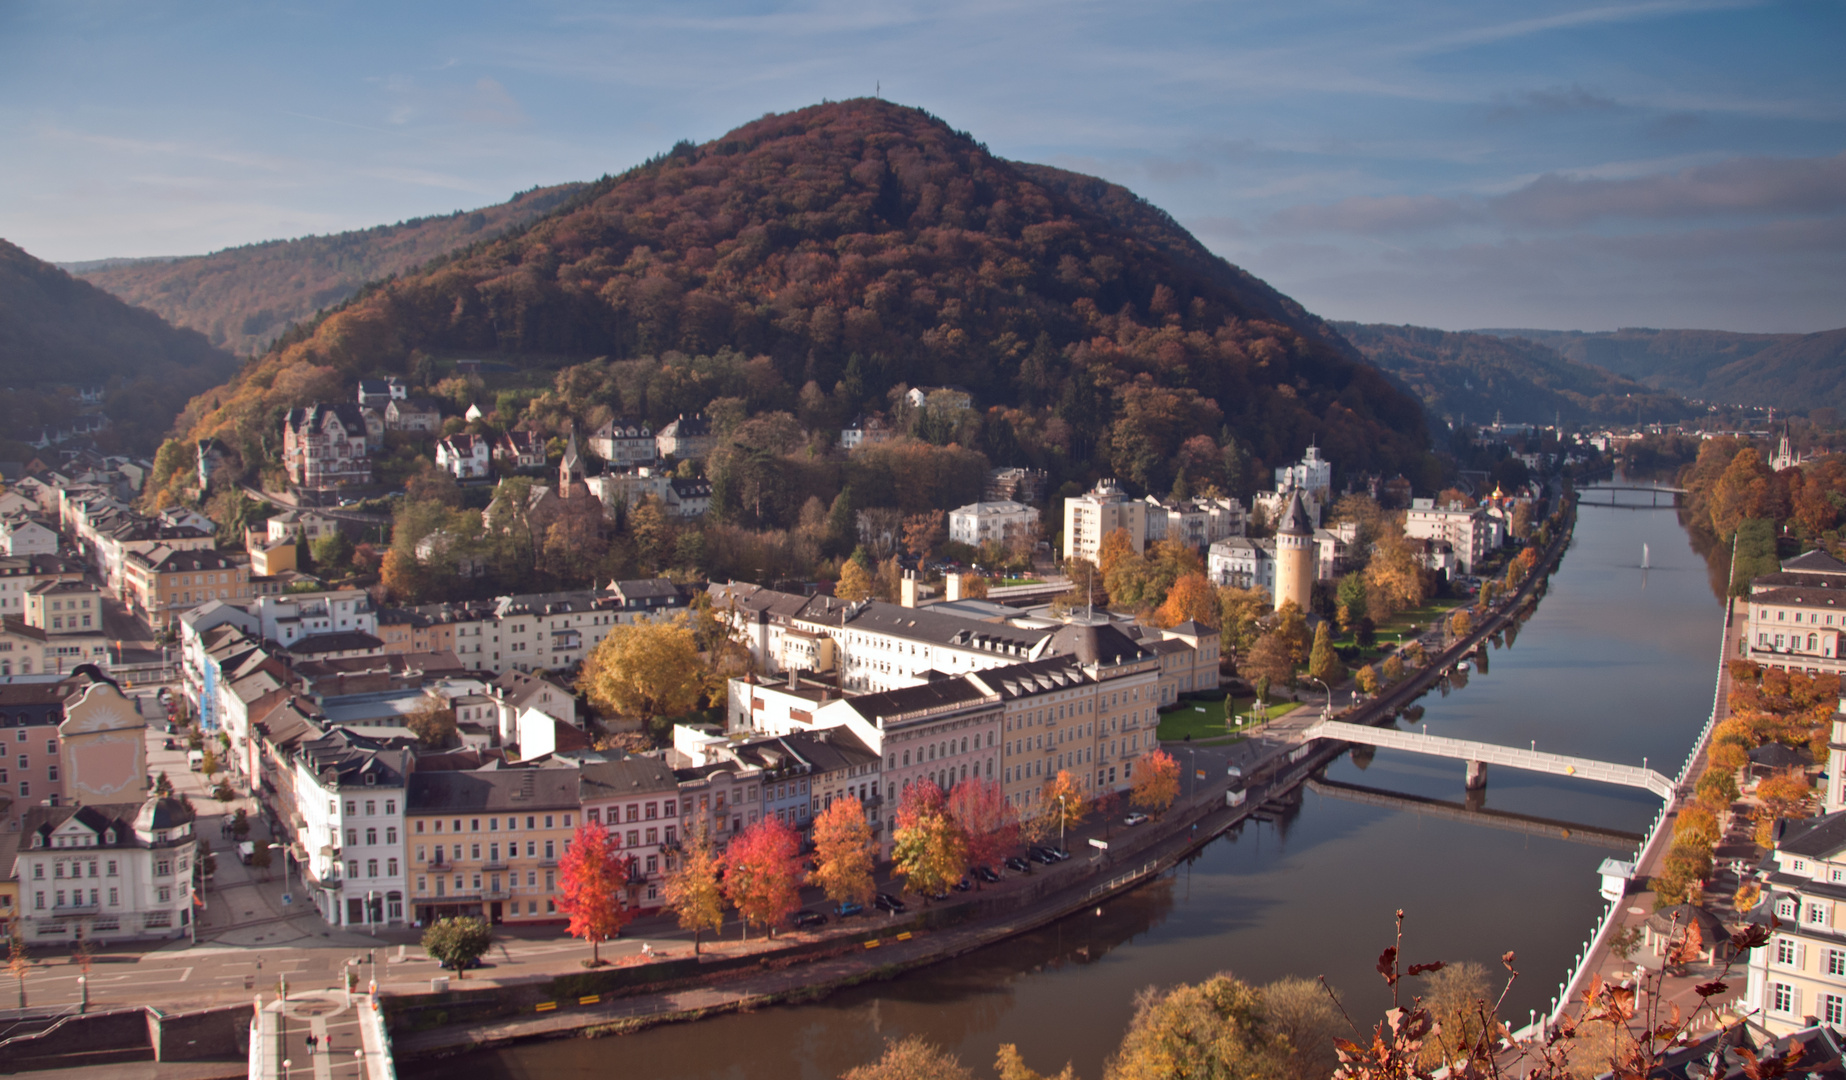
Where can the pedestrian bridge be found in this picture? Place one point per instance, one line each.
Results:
(1479, 755)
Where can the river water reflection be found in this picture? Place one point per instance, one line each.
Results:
(1617, 663)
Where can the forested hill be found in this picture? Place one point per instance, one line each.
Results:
(1472, 378)
(855, 246)
(1795, 372)
(58, 334)
(243, 298)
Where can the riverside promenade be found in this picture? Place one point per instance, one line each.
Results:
(1633, 910)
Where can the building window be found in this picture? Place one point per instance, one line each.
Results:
(1785, 908)
(1784, 950)
(390, 867)
(1817, 915)
(1836, 962)
(1781, 998)
(1832, 1010)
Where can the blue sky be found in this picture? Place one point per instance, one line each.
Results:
(1462, 164)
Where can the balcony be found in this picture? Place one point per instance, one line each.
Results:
(494, 864)
(71, 911)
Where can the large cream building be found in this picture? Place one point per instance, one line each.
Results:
(1095, 514)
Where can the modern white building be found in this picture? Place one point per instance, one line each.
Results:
(1472, 534)
(1006, 523)
(1095, 514)
(1197, 523)
(1312, 474)
(349, 841)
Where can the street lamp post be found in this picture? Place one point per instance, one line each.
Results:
(1328, 715)
(359, 1063)
(1061, 823)
(283, 848)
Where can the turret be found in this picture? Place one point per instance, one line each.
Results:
(1295, 555)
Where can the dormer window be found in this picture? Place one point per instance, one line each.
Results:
(109, 836)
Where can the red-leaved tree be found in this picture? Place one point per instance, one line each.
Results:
(762, 874)
(988, 821)
(591, 890)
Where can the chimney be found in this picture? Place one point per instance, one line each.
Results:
(951, 585)
(908, 595)
(794, 679)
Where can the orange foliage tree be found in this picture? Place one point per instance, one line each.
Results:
(1156, 782)
(1191, 597)
(762, 874)
(989, 822)
(592, 877)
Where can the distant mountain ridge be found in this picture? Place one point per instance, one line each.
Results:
(59, 332)
(1794, 372)
(1476, 377)
(243, 298)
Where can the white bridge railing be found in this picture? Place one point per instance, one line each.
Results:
(1494, 754)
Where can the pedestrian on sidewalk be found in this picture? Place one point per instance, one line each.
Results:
(311, 1043)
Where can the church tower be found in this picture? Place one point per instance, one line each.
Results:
(1295, 556)
(570, 470)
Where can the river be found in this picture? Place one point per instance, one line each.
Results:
(1617, 663)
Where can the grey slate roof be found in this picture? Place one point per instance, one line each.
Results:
(1295, 520)
(1815, 562)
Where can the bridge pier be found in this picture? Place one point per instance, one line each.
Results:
(1477, 776)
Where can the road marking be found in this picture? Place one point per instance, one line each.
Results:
(545, 1006)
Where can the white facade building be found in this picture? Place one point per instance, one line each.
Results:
(1095, 514)
(1472, 534)
(1005, 523)
(349, 792)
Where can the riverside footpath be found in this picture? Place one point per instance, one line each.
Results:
(671, 985)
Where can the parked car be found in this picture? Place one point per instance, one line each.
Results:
(887, 902)
(1135, 818)
(1043, 856)
(963, 885)
(806, 919)
(986, 874)
(848, 907)
(1014, 862)
(170, 744)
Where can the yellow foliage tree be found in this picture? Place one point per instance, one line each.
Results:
(843, 852)
(1062, 802)
(855, 582)
(694, 888)
(650, 668)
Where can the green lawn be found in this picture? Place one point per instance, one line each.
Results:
(1204, 720)
(1398, 628)
(1007, 582)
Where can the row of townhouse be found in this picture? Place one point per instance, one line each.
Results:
(383, 835)
(19, 574)
(523, 633)
(1085, 701)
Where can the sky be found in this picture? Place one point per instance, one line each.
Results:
(1557, 164)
